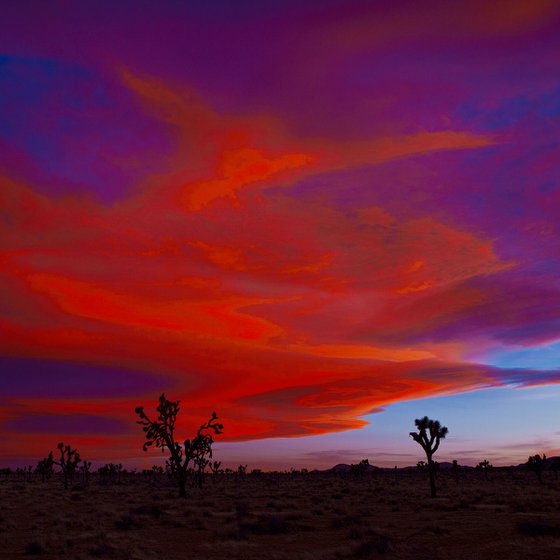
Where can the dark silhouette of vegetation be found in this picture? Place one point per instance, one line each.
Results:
(536, 464)
(68, 462)
(45, 467)
(484, 466)
(429, 435)
(161, 433)
(110, 473)
(85, 471)
(361, 468)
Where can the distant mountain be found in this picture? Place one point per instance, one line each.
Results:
(340, 468)
(551, 463)
(344, 468)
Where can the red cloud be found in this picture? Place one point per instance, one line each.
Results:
(287, 318)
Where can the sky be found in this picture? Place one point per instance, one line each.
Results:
(321, 220)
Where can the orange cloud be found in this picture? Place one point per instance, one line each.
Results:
(221, 156)
(289, 318)
(236, 169)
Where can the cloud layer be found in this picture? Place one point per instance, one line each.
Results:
(294, 257)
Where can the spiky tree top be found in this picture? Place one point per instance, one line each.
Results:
(536, 462)
(429, 434)
(69, 458)
(161, 433)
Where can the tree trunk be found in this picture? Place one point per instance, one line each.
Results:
(182, 483)
(432, 477)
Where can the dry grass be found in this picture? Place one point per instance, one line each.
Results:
(280, 517)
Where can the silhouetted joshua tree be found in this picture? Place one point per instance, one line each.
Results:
(45, 467)
(484, 466)
(429, 435)
(215, 467)
(161, 432)
(68, 462)
(536, 464)
(203, 454)
(85, 471)
(361, 468)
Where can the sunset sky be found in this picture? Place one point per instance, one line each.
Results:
(320, 219)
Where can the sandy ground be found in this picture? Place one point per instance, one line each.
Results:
(281, 517)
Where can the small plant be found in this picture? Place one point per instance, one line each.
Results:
(536, 464)
(161, 433)
(68, 462)
(429, 435)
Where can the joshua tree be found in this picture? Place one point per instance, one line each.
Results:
(45, 467)
(110, 473)
(429, 435)
(68, 462)
(361, 468)
(484, 466)
(161, 432)
(201, 457)
(85, 471)
(536, 464)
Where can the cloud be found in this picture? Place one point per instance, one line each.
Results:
(48, 379)
(61, 425)
(223, 281)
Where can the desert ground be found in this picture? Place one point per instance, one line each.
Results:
(285, 516)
